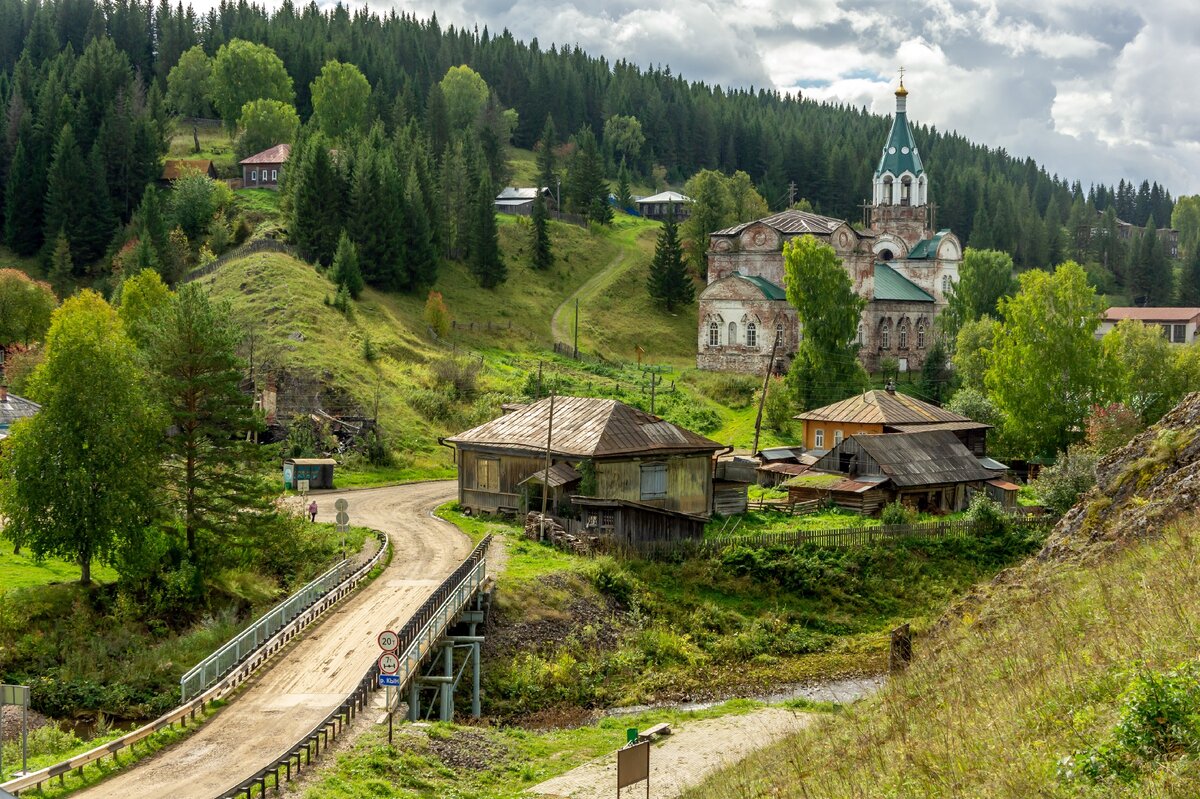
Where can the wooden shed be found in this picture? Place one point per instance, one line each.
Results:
(625, 452)
(626, 522)
(317, 471)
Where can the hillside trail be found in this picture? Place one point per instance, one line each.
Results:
(683, 759)
(306, 682)
(560, 329)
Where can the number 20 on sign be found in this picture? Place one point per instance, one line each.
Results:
(388, 641)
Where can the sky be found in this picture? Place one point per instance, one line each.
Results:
(1095, 90)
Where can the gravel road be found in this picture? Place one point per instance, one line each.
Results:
(306, 682)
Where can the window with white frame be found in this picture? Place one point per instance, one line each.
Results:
(837, 437)
(254, 176)
(903, 336)
(921, 335)
(732, 334)
(885, 336)
(860, 335)
(714, 334)
(1179, 334)
(274, 175)
(819, 438)
(946, 284)
(779, 332)
(654, 481)
(751, 334)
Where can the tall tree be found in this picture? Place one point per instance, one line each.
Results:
(826, 368)
(543, 256)
(1189, 280)
(670, 283)
(341, 97)
(81, 476)
(466, 94)
(1046, 367)
(317, 201)
(25, 308)
(189, 87)
(345, 272)
(1143, 360)
(984, 278)
(244, 71)
(25, 196)
(586, 188)
(486, 262)
(711, 210)
(264, 124)
(212, 468)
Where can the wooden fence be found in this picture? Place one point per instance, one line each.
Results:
(249, 248)
(783, 506)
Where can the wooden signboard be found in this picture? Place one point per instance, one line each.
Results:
(633, 766)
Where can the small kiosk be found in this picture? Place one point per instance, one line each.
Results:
(317, 471)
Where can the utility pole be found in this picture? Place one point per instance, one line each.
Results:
(575, 355)
(763, 399)
(546, 474)
(791, 193)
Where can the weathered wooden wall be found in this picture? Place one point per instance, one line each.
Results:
(689, 482)
(512, 468)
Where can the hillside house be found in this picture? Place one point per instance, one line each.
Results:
(929, 470)
(519, 201)
(660, 206)
(13, 409)
(264, 170)
(1178, 325)
(887, 411)
(626, 453)
(175, 168)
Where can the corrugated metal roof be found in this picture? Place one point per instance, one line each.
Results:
(780, 453)
(991, 464)
(784, 468)
(882, 407)
(275, 155)
(1177, 315)
(927, 248)
(789, 222)
(891, 285)
(768, 289)
(921, 428)
(14, 408)
(665, 197)
(1003, 484)
(518, 193)
(561, 474)
(929, 458)
(585, 427)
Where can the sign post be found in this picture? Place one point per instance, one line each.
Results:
(17, 696)
(343, 521)
(389, 664)
(633, 766)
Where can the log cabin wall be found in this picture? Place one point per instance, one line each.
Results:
(689, 482)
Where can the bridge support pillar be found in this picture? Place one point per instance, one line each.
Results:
(414, 700)
(446, 712)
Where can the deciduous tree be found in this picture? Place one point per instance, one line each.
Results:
(1146, 378)
(984, 277)
(25, 308)
(341, 97)
(264, 124)
(245, 71)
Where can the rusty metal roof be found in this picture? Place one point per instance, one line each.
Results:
(561, 474)
(784, 468)
(173, 168)
(274, 155)
(1116, 314)
(585, 427)
(929, 458)
(882, 407)
(790, 222)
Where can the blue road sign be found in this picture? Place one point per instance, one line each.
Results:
(390, 679)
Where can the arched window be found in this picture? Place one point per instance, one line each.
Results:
(887, 191)
(920, 335)
(903, 337)
(906, 191)
(732, 334)
(860, 335)
(885, 336)
(714, 334)
(751, 335)
(946, 284)
(779, 332)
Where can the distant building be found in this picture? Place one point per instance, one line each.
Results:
(899, 261)
(659, 206)
(1169, 237)
(1178, 324)
(264, 170)
(175, 168)
(515, 200)
(13, 409)
(878, 412)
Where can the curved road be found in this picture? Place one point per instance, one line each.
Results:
(298, 689)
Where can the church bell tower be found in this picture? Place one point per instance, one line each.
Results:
(900, 190)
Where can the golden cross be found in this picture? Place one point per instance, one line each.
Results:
(902, 75)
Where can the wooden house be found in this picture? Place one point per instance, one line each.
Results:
(519, 200)
(175, 168)
(875, 412)
(263, 170)
(930, 470)
(626, 522)
(13, 409)
(624, 452)
(660, 206)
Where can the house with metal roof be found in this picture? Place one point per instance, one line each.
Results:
(898, 260)
(599, 447)
(887, 411)
(264, 170)
(13, 409)
(1178, 325)
(660, 206)
(519, 200)
(929, 470)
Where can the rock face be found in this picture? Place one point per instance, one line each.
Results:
(1140, 488)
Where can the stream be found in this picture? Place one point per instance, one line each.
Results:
(843, 691)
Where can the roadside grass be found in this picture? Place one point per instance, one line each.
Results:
(365, 475)
(483, 762)
(762, 522)
(525, 560)
(23, 570)
(1054, 681)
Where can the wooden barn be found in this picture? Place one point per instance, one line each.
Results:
(618, 452)
(930, 470)
(626, 522)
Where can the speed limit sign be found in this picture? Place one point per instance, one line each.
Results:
(388, 663)
(388, 641)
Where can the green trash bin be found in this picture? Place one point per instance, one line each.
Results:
(631, 735)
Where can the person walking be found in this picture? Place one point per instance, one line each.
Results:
(312, 511)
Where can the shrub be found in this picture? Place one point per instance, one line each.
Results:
(987, 516)
(778, 407)
(370, 354)
(612, 579)
(1060, 486)
(437, 315)
(460, 375)
(897, 513)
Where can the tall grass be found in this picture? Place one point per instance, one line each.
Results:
(1014, 693)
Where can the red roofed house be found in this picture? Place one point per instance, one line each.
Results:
(1178, 324)
(263, 170)
(175, 168)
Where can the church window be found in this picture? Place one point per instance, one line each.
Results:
(946, 284)
(885, 336)
(779, 332)
(887, 191)
(906, 191)
(714, 334)
(751, 335)
(860, 335)
(921, 336)
(886, 255)
(903, 337)
(732, 333)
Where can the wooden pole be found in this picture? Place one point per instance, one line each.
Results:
(763, 399)
(546, 474)
(576, 352)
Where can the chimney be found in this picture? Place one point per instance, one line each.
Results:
(890, 387)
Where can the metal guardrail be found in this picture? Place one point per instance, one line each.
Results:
(225, 659)
(416, 639)
(187, 711)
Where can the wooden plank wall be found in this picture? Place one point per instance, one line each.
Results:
(689, 482)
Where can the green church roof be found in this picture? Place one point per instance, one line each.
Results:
(768, 289)
(891, 285)
(900, 153)
(927, 248)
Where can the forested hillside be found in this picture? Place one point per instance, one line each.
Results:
(661, 125)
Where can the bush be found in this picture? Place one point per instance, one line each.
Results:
(987, 516)
(1060, 486)
(897, 513)
(778, 407)
(460, 375)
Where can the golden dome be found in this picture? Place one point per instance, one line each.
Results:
(902, 92)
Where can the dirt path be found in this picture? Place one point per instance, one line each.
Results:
(561, 323)
(309, 680)
(684, 758)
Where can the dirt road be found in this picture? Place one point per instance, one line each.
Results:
(295, 692)
(683, 759)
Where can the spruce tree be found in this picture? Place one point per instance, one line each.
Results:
(64, 186)
(670, 284)
(543, 256)
(421, 259)
(317, 214)
(23, 204)
(96, 221)
(547, 177)
(624, 198)
(61, 266)
(486, 262)
(587, 188)
(1189, 281)
(345, 272)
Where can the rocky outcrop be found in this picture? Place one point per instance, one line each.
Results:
(1140, 488)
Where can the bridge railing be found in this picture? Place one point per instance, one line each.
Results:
(416, 638)
(188, 710)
